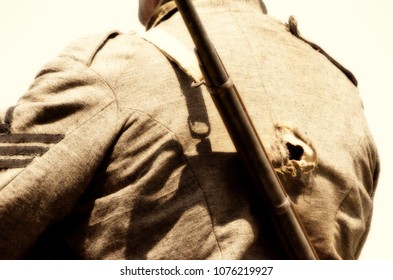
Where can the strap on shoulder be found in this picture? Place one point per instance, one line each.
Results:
(175, 51)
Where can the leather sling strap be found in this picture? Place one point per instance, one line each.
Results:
(175, 51)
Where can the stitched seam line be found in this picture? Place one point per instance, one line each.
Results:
(167, 129)
(357, 248)
(173, 135)
(69, 134)
(292, 24)
(353, 186)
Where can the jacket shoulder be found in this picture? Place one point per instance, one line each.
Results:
(293, 28)
(84, 49)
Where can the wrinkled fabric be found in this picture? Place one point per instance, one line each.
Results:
(143, 168)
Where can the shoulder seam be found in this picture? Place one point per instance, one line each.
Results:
(110, 35)
(91, 45)
(292, 26)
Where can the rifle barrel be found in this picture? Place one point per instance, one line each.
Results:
(226, 98)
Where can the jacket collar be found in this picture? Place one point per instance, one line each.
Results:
(163, 12)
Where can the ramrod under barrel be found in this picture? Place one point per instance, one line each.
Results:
(287, 224)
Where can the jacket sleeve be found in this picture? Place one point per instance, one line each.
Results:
(354, 215)
(50, 144)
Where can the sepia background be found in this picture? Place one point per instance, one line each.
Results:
(356, 33)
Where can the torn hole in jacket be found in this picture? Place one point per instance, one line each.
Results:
(294, 160)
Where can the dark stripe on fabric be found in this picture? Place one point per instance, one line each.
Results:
(22, 150)
(14, 163)
(31, 138)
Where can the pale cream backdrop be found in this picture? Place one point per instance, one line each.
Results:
(357, 33)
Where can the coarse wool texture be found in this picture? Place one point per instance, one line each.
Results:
(146, 169)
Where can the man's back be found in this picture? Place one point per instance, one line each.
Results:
(144, 169)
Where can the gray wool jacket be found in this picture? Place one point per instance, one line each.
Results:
(111, 154)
